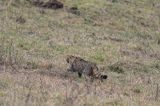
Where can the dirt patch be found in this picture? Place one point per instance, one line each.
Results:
(52, 4)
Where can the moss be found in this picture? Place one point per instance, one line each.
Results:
(2, 94)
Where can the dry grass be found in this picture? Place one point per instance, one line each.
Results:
(42, 89)
(122, 37)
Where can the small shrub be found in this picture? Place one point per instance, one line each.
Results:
(74, 10)
(60, 49)
(3, 84)
(88, 20)
(116, 68)
(20, 20)
(2, 94)
(136, 90)
(30, 65)
(158, 41)
(98, 57)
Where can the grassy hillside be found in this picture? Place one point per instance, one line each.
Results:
(121, 36)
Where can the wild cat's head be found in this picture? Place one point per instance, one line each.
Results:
(70, 59)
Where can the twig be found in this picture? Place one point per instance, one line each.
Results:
(28, 85)
(157, 92)
(28, 96)
(95, 89)
(7, 6)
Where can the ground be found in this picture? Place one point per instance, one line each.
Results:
(121, 36)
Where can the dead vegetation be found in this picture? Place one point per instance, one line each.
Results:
(74, 10)
(122, 37)
(51, 4)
